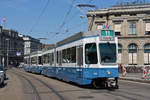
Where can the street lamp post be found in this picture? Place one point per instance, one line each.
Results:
(7, 50)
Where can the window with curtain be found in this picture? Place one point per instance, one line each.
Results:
(147, 53)
(132, 28)
(119, 53)
(147, 29)
(132, 50)
(117, 28)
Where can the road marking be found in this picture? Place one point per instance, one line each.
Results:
(135, 82)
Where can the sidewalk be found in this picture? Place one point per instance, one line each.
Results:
(137, 77)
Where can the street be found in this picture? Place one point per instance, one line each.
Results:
(21, 85)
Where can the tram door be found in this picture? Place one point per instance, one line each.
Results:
(80, 60)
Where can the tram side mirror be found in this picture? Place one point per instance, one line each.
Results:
(108, 43)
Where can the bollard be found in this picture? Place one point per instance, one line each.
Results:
(145, 73)
(124, 71)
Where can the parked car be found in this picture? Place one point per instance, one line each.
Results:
(2, 68)
(21, 65)
(1, 77)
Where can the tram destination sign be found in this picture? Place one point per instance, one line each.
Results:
(107, 35)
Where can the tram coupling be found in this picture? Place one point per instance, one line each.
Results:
(112, 83)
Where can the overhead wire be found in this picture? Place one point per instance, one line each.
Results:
(76, 26)
(71, 6)
(38, 19)
(66, 16)
(63, 23)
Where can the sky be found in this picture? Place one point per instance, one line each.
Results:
(52, 20)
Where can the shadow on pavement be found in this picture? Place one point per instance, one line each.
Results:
(7, 78)
(3, 85)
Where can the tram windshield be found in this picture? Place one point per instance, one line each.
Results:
(91, 53)
(107, 52)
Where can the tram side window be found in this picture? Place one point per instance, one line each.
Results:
(73, 55)
(34, 60)
(57, 56)
(64, 55)
(48, 57)
(60, 58)
(45, 59)
(51, 58)
(69, 55)
(40, 60)
(80, 55)
(31, 60)
(91, 53)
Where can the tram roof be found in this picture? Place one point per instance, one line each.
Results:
(77, 36)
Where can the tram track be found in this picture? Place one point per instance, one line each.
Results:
(35, 91)
(108, 92)
(121, 93)
(42, 82)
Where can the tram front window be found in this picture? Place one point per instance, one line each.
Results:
(107, 52)
(91, 53)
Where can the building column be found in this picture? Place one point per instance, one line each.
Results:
(139, 28)
(125, 57)
(140, 57)
(124, 28)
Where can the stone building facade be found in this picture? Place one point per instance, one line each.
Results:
(1, 54)
(11, 47)
(31, 45)
(131, 23)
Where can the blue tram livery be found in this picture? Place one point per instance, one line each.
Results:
(84, 58)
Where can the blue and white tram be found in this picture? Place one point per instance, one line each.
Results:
(34, 62)
(87, 58)
(48, 61)
(84, 58)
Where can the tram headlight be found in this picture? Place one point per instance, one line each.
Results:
(108, 72)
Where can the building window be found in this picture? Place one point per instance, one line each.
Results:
(119, 53)
(100, 26)
(101, 16)
(117, 15)
(117, 29)
(147, 54)
(132, 50)
(133, 14)
(147, 29)
(132, 28)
